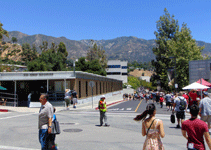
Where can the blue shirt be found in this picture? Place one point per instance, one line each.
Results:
(205, 105)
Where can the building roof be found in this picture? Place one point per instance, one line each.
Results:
(51, 75)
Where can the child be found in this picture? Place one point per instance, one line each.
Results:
(161, 101)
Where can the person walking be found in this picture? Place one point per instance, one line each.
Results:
(45, 121)
(168, 99)
(102, 108)
(180, 106)
(152, 128)
(74, 98)
(205, 110)
(161, 101)
(194, 130)
(67, 97)
(157, 97)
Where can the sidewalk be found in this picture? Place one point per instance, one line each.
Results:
(80, 107)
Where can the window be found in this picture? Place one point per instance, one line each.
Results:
(124, 67)
(113, 73)
(113, 66)
(79, 88)
(124, 73)
(86, 89)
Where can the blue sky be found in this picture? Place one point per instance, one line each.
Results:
(103, 19)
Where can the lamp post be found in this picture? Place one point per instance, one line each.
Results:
(74, 65)
(175, 78)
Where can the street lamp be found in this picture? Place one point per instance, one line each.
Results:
(175, 79)
(74, 65)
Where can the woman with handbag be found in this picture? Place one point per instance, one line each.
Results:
(152, 128)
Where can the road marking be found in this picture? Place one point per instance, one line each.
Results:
(129, 108)
(15, 148)
(138, 106)
(17, 116)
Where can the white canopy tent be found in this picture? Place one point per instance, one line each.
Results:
(196, 86)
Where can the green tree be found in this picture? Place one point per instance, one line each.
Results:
(28, 54)
(3, 32)
(44, 46)
(184, 49)
(14, 39)
(172, 42)
(167, 26)
(97, 53)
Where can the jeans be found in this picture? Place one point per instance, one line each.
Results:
(103, 116)
(43, 138)
(192, 149)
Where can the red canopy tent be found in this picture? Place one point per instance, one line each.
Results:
(204, 82)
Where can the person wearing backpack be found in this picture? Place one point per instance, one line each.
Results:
(180, 106)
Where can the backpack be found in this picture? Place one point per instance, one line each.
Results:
(182, 104)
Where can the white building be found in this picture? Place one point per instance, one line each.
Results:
(117, 70)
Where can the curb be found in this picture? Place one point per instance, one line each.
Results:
(112, 103)
(3, 110)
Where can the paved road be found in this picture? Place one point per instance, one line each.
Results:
(80, 131)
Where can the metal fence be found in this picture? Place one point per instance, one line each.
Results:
(8, 99)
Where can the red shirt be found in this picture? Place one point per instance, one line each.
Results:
(186, 97)
(195, 129)
(161, 99)
(193, 96)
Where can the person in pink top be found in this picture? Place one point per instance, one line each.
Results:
(194, 130)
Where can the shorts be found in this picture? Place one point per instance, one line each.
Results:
(75, 100)
(180, 115)
(67, 100)
(168, 103)
(206, 119)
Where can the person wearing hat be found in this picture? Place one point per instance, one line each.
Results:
(102, 108)
(205, 109)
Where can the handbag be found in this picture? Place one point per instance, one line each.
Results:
(55, 127)
(172, 118)
(150, 126)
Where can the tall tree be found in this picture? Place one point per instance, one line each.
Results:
(28, 54)
(3, 32)
(184, 49)
(97, 53)
(171, 42)
(167, 26)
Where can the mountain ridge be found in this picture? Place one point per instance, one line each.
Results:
(127, 48)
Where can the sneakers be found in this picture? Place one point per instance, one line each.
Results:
(178, 126)
(107, 125)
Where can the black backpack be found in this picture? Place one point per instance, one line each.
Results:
(182, 104)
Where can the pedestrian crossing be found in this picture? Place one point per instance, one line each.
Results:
(120, 109)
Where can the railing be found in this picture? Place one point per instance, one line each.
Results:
(8, 99)
(56, 98)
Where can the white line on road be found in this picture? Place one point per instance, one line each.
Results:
(129, 108)
(15, 148)
(17, 116)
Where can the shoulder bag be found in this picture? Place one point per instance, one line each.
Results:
(55, 127)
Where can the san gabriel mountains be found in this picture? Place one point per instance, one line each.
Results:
(123, 48)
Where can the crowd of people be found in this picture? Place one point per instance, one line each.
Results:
(194, 130)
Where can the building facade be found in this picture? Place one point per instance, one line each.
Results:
(199, 69)
(54, 83)
(117, 70)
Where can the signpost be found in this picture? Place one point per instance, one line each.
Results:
(92, 84)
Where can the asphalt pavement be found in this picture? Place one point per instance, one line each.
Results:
(80, 128)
